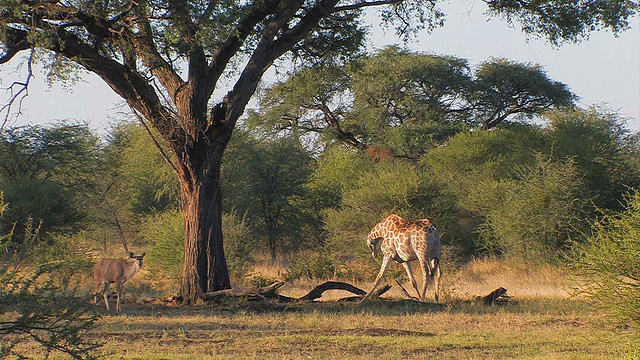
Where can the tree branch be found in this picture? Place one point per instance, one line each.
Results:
(15, 41)
(232, 44)
(123, 80)
(156, 143)
(19, 95)
(364, 4)
(150, 56)
(270, 48)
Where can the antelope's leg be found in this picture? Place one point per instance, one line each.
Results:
(119, 292)
(96, 287)
(383, 268)
(105, 294)
(414, 283)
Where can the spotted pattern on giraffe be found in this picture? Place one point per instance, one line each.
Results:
(405, 242)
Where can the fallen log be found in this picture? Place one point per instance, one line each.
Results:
(269, 292)
(380, 291)
(331, 285)
(404, 291)
(375, 295)
(227, 293)
(498, 296)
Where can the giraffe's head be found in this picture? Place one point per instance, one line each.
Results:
(372, 241)
(379, 232)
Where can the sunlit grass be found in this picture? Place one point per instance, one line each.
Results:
(541, 321)
(481, 276)
(536, 329)
(476, 278)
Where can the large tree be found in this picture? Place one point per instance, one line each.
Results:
(406, 102)
(166, 59)
(48, 174)
(269, 187)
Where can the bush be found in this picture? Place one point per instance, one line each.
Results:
(33, 307)
(36, 301)
(531, 217)
(608, 263)
(164, 232)
(73, 254)
(239, 243)
(604, 151)
(311, 266)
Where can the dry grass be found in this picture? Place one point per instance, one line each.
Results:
(541, 322)
(477, 278)
(481, 276)
(380, 330)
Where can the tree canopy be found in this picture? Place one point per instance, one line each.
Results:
(406, 102)
(48, 172)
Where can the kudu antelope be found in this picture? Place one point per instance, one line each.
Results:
(118, 271)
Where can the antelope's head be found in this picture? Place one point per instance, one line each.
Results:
(138, 258)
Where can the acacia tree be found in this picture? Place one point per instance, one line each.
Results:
(406, 102)
(166, 59)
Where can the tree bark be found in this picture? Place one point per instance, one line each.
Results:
(205, 268)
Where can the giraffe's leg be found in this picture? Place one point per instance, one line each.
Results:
(436, 273)
(407, 267)
(383, 268)
(426, 276)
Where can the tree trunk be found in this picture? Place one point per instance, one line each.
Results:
(205, 268)
(273, 249)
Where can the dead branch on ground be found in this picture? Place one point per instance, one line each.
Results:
(269, 292)
(404, 291)
(498, 296)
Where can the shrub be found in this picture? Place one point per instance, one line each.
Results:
(532, 216)
(37, 303)
(33, 307)
(311, 266)
(72, 253)
(164, 232)
(604, 150)
(239, 243)
(608, 263)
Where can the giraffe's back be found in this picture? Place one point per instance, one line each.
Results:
(426, 239)
(412, 239)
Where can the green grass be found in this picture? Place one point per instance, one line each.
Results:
(540, 322)
(531, 329)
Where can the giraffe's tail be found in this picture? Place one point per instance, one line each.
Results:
(434, 266)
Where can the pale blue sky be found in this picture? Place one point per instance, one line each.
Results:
(601, 70)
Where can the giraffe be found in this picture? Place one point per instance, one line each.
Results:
(405, 241)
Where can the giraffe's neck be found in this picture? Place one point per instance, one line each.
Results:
(385, 228)
(378, 232)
